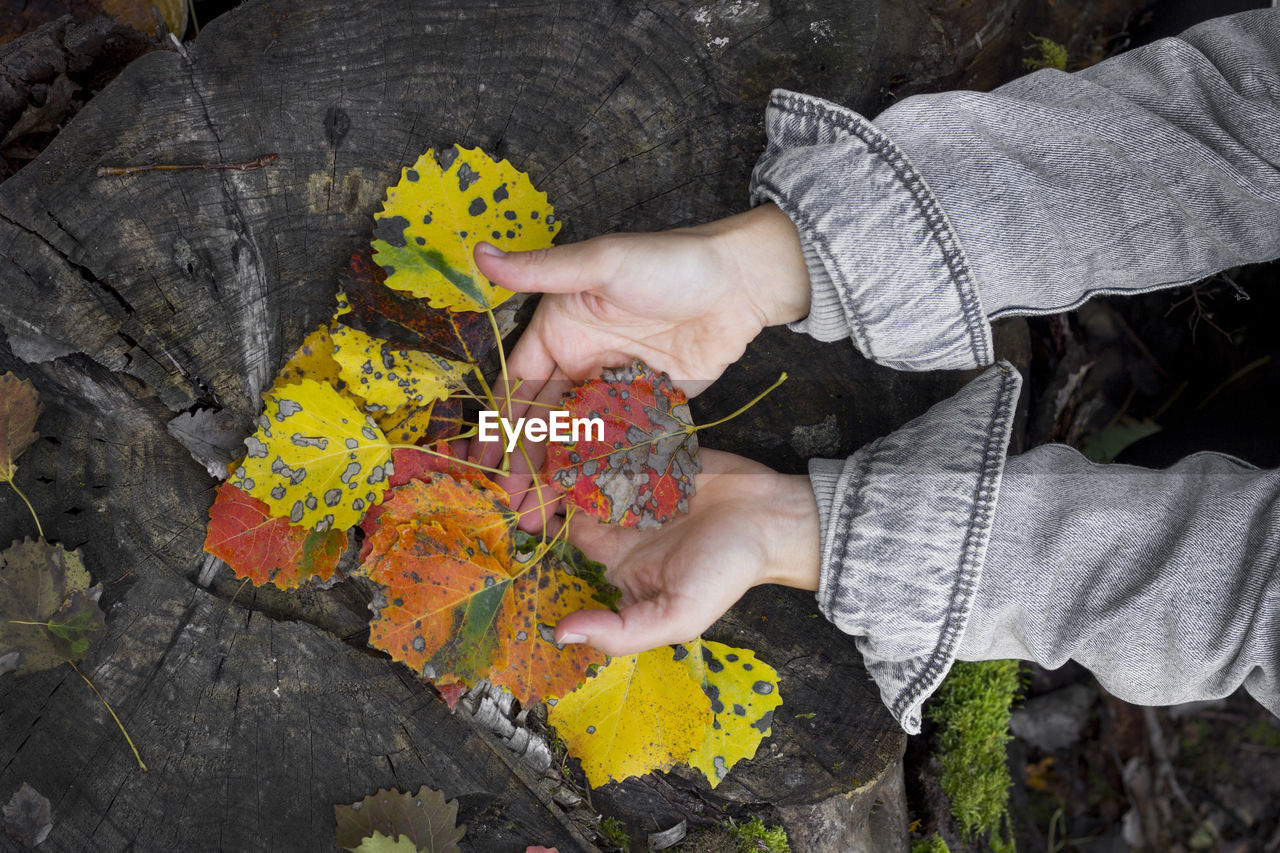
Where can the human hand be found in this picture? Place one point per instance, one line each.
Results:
(747, 525)
(686, 302)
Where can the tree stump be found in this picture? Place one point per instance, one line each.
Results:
(134, 301)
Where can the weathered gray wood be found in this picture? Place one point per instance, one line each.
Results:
(132, 299)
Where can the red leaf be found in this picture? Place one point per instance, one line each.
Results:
(409, 323)
(451, 693)
(265, 549)
(641, 474)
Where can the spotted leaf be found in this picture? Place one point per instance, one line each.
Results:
(547, 590)
(480, 510)
(262, 548)
(641, 473)
(432, 219)
(638, 714)
(315, 459)
(743, 691)
(391, 380)
(313, 359)
(444, 593)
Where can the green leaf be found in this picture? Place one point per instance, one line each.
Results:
(48, 613)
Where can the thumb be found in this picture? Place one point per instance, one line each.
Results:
(637, 628)
(560, 269)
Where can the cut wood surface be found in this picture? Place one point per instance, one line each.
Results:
(135, 300)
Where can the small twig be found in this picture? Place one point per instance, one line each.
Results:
(112, 712)
(248, 165)
(180, 47)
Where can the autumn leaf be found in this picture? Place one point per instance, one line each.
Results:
(641, 473)
(469, 597)
(424, 820)
(263, 548)
(479, 510)
(416, 465)
(313, 359)
(28, 816)
(638, 714)
(545, 592)
(405, 322)
(48, 612)
(439, 421)
(444, 593)
(315, 459)
(19, 409)
(388, 379)
(433, 218)
(743, 691)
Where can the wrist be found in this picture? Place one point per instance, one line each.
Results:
(762, 248)
(795, 546)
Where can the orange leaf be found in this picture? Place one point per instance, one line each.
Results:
(266, 549)
(540, 597)
(443, 596)
(480, 511)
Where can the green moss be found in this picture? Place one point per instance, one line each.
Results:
(932, 844)
(1046, 53)
(732, 837)
(614, 833)
(755, 837)
(972, 711)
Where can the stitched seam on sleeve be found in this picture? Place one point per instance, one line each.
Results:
(845, 290)
(975, 536)
(847, 511)
(926, 204)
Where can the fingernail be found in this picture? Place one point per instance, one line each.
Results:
(568, 639)
(489, 249)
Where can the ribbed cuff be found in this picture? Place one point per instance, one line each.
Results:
(885, 266)
(905, 523)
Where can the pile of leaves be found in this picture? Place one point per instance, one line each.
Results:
(353, 450)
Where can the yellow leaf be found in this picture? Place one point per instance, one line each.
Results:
(315, 459)
(388, 379)
(639, 713)
(313, 359)
(433, 218)
(407, 426)
(744, 693)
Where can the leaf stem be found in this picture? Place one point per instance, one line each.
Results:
(502, 357)
(34, 517)
(782, 377)
(112, 712)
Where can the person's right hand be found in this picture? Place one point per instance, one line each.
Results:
(686, 301)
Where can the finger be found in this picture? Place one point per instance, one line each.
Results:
(560, 269)
(642, 626)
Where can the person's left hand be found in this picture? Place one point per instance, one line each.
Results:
(747, 525)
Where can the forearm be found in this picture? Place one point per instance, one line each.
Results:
(1154, 168)
(1163, 583)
